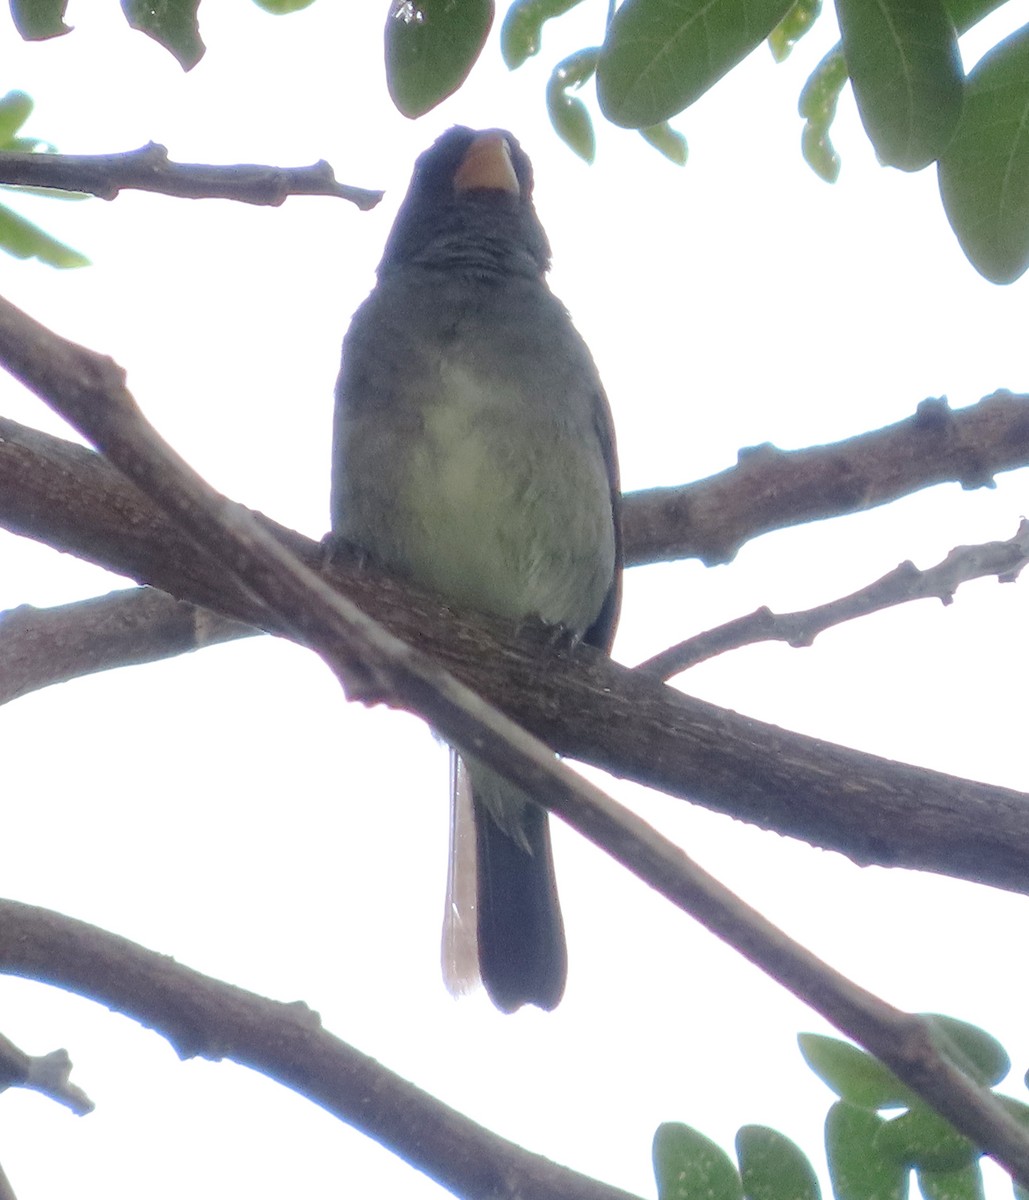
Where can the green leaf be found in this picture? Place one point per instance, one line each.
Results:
(688, 1165)
(22, 239)
(661, 55)
(966, 1183)
(819, 153)
(669, 141)
(822, 90)
(172, 23)
(431, 45)
(774, 1168)
(856, 1170)
(522, 31)
(568, 114)
(922, 1138)
(966, 13)
(852, 1074)
(15, 110)
(817, 105)
(904, 64)
(984, 173)
(39, 19)
(792, 27)
(970, 1048)
(281, 7)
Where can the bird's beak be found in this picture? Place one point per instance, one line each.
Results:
(487, 164)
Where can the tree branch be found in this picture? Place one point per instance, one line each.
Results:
(584, 705)
(6, 1191)
(149, 169)
(899, 586)
(202, 1017)
(41, 647)
(47, 1073)
(772, 489)
(711, 519)
(89, 391)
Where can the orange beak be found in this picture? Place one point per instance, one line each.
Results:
(487, 164)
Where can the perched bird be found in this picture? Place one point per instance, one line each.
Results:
(473, 453)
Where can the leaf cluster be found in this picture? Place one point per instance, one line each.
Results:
(654, 58)
(901, 56)
(870, 1156)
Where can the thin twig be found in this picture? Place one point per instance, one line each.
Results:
(49, 1074)
(149, 169)
(89, 391)
(899, 586)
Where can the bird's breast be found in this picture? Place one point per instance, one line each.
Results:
(513, 497)
(468, 449)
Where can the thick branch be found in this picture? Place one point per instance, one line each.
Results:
(771, 488)
(89, 391)
(585, 706)
(206, 1018)
(41, 647)
(149, 169)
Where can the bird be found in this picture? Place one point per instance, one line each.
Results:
(474, 454)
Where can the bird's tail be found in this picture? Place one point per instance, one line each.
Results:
(519, 934)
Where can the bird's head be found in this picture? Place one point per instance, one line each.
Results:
(469, 205)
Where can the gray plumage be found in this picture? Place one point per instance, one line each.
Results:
(473, 453)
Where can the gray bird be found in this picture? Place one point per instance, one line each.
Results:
(474, 454)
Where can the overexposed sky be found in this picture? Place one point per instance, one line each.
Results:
(230, 808)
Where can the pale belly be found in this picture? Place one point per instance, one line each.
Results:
(495, 504)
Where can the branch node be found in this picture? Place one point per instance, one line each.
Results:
(763, 452)
(934, 414)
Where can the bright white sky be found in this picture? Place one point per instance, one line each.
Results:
(232, 810)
